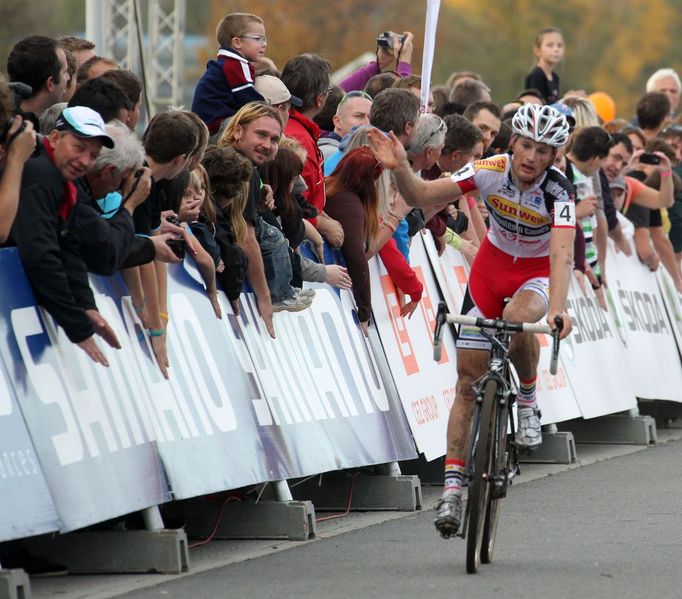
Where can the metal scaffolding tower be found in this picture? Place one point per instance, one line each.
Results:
(155, 54)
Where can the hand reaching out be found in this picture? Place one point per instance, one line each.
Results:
(387, 150)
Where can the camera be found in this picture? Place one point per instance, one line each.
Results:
(648, 158)
(20, 91)
(385, 40)
(177, 245)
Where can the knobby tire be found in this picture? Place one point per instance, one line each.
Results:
(480, 490)
(501, 461)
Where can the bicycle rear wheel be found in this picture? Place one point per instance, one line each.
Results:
(501, 459)
(480, 489)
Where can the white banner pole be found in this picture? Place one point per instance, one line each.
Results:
(432, 9)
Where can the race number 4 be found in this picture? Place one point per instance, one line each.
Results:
(564, 214)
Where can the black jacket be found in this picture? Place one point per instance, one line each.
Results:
(48, 247)
(107, 245)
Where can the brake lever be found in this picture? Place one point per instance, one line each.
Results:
(554, 363)
(441, 317)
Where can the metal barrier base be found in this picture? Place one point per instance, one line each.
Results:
(14, 584)
(117, 552)
(292, 520)
(664, 412)
(366, 492)
(429, 473)
(556, 448)
(617, 429)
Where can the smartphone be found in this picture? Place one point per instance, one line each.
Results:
(648, 158)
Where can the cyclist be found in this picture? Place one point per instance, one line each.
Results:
(527, 255)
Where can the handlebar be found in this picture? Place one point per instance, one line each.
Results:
(497, 324)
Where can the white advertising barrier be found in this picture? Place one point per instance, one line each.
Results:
(554, 392)
(594, 358)
(644, 330)
(672, 302)
(451, 270)
(85, 421)
(426, 387)
(26, 508)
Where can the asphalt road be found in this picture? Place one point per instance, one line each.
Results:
(609, 529)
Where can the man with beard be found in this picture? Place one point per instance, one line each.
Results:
(255, 130)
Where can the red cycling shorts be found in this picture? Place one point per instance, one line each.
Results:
(495, 275)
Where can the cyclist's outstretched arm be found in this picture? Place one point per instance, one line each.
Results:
(561, 266)
(415, 191)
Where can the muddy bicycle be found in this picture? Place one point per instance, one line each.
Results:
(492, 457)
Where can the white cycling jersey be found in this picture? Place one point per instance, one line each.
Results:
(520, 220)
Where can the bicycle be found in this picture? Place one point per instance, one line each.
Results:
(492, 458)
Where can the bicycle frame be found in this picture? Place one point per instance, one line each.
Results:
(499, 369)
(492, 458)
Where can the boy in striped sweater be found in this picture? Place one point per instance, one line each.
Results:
(227, 83)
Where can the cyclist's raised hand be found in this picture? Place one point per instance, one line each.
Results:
(387, 150)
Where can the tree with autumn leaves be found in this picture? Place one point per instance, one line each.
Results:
(610, 46)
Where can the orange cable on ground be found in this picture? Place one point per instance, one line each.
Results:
(350, 500)
(217, 523)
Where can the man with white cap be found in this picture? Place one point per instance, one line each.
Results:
(276, 94)
(44, 228)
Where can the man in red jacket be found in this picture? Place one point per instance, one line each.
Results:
(308, 77)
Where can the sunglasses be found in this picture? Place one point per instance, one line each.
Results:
(672, 129)
(355, 94)
(441, 127)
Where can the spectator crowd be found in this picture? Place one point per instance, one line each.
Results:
(267, 160)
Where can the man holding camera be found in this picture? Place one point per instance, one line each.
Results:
(17, 141)
(394, 56)
(45, 231)
(39, 62)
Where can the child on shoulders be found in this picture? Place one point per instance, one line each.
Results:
(227, 83)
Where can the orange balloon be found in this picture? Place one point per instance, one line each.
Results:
(604, 105)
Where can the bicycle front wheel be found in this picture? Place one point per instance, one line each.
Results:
(480, 490)
(501, 459)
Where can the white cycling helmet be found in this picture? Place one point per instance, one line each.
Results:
(542, 124)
